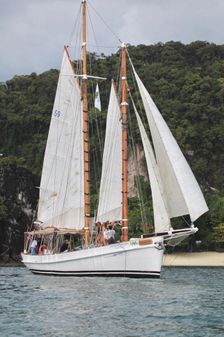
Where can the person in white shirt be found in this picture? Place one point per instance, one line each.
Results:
(33, 247)
(111, 235)
(105, 235)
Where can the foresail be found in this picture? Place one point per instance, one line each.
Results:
(61, 199)
(161, 217)
(181, 188)
(110, 197)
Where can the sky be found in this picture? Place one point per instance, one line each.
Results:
(33, 32)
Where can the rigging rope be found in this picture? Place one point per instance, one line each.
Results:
(108, 27)
(76, 27)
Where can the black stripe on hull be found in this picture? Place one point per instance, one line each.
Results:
(128, 273)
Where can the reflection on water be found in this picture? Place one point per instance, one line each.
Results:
(184, 302)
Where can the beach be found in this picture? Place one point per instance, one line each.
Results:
(199, 259)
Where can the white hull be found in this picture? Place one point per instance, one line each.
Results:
(121, 259)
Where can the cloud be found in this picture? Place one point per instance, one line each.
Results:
(33, 32)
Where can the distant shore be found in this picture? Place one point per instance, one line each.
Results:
(11, 264)
(199, 259)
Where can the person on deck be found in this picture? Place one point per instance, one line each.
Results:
(111, 235)
(39, 242)
(98, 241)
(105, 235)
(33, 247)
(66, 247)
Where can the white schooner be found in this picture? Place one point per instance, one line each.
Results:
(64, 197)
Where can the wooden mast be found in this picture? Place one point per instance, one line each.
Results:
(124, 145)
(85, 127)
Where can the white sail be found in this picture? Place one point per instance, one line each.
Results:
(179, 183)
(97, 101)
(110, 196)
(161, 217)
(61, 202)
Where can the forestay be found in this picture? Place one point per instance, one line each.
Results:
(110, 197)
(180, 186)
(61, 190)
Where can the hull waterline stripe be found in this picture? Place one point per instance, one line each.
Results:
(118, 273)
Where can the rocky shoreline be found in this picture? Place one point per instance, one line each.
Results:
(11, 264)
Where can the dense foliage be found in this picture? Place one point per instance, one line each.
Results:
(185, 81)
(219, 236)
(3, 209)
(25, 110)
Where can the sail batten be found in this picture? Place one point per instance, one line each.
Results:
(110, 197)
(181, 188)
(61, 190)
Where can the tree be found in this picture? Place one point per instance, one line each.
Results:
(3, 209)
(219, 236)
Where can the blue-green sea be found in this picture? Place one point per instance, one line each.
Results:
(184, 302)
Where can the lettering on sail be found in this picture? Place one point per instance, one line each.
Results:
(57, 113)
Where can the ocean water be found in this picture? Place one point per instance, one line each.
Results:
(184, 302)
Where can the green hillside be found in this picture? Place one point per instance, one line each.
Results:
(185, 81)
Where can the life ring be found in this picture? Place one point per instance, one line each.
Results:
(41, 249)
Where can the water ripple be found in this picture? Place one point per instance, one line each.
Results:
(184, 302)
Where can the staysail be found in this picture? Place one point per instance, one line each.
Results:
(110, 197)
(61, 190)
(179, 183)
(161, 217)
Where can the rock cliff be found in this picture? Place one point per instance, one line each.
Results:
(18, 192)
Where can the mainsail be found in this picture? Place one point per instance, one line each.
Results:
(110, 197)
(180, 186)
(61, 190)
